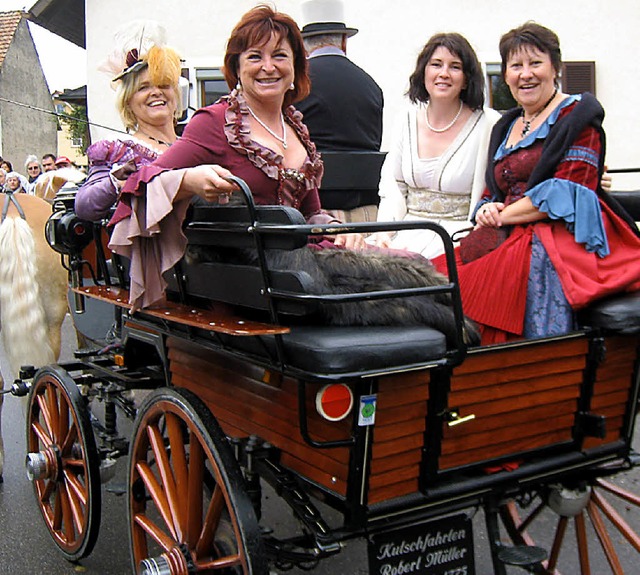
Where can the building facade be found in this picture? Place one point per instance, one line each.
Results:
(24, 128)
(597, 38)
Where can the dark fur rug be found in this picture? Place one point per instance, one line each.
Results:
(340, 271)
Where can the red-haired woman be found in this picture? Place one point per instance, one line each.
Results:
(254, 133)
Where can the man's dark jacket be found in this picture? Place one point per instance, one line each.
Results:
(344, 109)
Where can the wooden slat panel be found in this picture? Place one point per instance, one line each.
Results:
(520, 403)
(515, 388)
(522, 398)
(245, 405)
(486, 362)
(323, 459)
(393, 491)
(512, 435)
(396, 453)
(514, 447)
(320, 476)
(388, 464)
(400, 429)
(257, 403)
(387, 448)
(513, 419)
(614, 432)
(227, 408)
(619, 398)
(388, 478)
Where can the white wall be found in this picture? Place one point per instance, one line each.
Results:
(392, 34)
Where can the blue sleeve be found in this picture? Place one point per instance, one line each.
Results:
(578, 206)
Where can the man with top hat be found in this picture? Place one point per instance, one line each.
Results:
(344, 109)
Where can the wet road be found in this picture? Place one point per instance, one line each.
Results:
(26, 547)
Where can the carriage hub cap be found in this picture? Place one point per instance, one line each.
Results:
(569, 502)
(41, 465)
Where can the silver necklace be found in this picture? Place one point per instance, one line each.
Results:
(283, 139)
(448, 126)
(526, 124)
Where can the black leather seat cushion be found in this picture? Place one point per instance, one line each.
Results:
(620, 314)
(336, 350)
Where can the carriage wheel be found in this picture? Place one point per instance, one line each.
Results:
(598, 514)
(62, 462)
(188, 509)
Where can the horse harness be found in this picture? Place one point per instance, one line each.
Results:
(8, 200)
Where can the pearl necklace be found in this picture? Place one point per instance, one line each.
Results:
(527, 123)
(448, 126)
(283, 139)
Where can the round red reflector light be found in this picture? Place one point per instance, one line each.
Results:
(334, 401)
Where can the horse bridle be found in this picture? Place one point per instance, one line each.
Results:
(8, 200)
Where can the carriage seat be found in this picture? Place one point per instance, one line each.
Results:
(333, 350)
(619, 314)
(310, 345)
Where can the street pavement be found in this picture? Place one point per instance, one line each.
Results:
(26, 547)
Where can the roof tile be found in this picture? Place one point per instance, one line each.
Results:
(8, 24)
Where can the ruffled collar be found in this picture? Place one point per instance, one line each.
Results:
(540, 133)
(238, 133)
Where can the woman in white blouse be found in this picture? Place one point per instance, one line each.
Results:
(435, 168)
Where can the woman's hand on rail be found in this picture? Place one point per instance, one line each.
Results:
(209, 182)
(381, 239)
(350, 241)
(605, 182)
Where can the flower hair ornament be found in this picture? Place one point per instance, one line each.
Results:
(142, 44)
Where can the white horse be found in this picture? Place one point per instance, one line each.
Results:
(33, 289)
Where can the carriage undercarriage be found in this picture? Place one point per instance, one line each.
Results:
(421, 440)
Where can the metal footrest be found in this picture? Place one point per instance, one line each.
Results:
(522, 555)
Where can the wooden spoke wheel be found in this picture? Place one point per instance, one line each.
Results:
(602, 516)
(188, 509)
(63, 462)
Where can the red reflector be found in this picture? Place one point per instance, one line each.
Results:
(334, 401)
(79, 229)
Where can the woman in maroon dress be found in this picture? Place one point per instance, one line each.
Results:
(253, 133)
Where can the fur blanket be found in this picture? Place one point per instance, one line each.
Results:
(339, 271)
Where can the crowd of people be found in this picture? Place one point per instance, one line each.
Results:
(35, 170)
(547, 239)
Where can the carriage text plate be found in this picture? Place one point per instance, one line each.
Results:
(440, 547)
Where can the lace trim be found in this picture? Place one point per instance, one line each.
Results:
(237, 131)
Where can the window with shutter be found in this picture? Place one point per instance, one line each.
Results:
(578, 77)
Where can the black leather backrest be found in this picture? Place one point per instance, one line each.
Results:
(352, 170)
(214, 268)
(630, 201)
(226, 226)
(350, 179)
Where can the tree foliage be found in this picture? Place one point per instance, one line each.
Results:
(77, 122)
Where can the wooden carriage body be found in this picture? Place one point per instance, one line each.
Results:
(435, 426)
(448, 424)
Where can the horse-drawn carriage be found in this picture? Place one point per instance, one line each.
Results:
(400, 431)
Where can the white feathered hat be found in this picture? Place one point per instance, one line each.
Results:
(139, 44)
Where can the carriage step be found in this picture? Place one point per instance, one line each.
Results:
(522, 555)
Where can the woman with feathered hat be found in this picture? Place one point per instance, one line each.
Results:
(146, 74)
